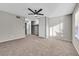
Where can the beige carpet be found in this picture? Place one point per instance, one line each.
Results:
(34, 46)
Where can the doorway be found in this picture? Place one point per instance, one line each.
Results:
(25, 28)
(34, 28)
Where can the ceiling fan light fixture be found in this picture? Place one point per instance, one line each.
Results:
(35, 15)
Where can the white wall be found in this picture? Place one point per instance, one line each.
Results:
(42, 27)
(60, 27)
(56, 27)
(29, 28)
(47, 27)
(10, 27)
(74, 18)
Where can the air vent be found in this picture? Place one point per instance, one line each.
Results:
(18, 17)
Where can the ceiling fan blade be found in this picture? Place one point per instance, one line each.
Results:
(30, 14)
(31, 10)
(39, 10)
(40, 14)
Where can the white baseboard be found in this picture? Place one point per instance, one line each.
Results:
(5, 40)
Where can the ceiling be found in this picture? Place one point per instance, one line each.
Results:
(49, 9)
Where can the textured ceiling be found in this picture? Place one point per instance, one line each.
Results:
(49, 9)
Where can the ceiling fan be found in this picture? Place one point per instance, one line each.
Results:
(35, 12)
